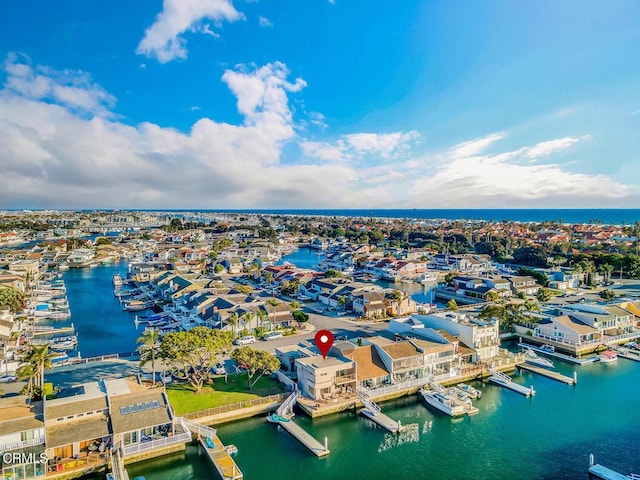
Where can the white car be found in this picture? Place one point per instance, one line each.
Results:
(219, 370)
(8, 378)
(248, 340)
(272, 336)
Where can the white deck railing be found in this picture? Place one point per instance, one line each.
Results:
(158, 443)
(25, 443)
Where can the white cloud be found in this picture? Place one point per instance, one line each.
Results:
(163, 40)
(73, 89)
(360, 145)
(265, 22)
(463, 178)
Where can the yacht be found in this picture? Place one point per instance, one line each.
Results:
(531, 358)
(117, 280)
(608, 356)
(442, 403)
(428, 277)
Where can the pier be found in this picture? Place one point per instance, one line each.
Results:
(550, 374)
(560, 356)
(627, 354)
(47, 330)
(503, 380)
(603, 473)
(372, 411)
(284, 418)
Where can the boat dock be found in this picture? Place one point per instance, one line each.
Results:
(47, 330)
(305, 438)
(372, 411)
(603, 473)
(503, 380)
(550, 374)
(560, 356)
(225, 465)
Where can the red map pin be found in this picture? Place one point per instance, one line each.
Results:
(324, 340)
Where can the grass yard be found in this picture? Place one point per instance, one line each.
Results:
(184, 400)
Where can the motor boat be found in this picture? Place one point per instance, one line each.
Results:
(608, 356)
(531, 358)
(469, 390)
(440, 402)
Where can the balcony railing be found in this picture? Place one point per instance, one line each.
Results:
(345, 379)
(158, 443)
(25, 443)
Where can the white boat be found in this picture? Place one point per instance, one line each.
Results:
(93, 265)
(428, 277)
(608, 356)
(442, 403)
(469, 390)
(531, 358)
(117, 280)
(63, 266)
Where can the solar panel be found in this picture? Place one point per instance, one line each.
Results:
(156, 404)
(141, 407)
(132, 409)
(147, 405)
(123, 410)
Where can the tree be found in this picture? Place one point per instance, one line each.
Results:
(27, 372)
(452, 305)
(148, 350)
(218, 268)
(540, 277)
(247, 317)
(268, 277)
(492, 296)
(300, 317)
(234, 320)
(606, 269)
(497, 312)
(544, 295)
(39, 359)
(256, 363)
(332, 274)
(263, 316)
(13, 298)
(103, 241)
(396, 295)
(195, 352)
(246, 289)
(274, 303)
(448, 278)
(295, 305)
(607, 295)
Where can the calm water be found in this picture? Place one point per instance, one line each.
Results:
(616, 216)
(101, 325)
(548, 436)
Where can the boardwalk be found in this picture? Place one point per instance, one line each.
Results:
(225, 465)
(549, 374)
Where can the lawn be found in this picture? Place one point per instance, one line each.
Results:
(184, 400)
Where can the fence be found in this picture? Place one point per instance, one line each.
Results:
(280, 397)
(158, 443)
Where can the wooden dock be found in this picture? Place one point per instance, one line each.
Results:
(505, 381)
(45, 330)
(549, 373)
(628, 354)
(560, 356)
(604, 473)
(383, 420)
(225, 465)
(305, 438)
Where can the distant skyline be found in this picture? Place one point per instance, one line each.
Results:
(281, 104)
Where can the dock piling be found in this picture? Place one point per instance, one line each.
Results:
(575, 377)
(326, 444)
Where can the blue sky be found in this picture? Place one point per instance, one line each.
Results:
(317, 103)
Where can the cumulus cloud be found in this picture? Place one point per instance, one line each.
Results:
(163, 39)
(71, 88)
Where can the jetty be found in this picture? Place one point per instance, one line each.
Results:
(284, 418)
(627, 354)
(550, 374)
(48, 330)
(372, 411)
(503, 380)
(214, 448)
(560, 356)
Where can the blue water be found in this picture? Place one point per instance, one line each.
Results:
(548, 436)
(101, 325)
(616, 216)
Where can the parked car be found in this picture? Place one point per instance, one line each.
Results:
(272, 336)
(8, 378)
(219, 370)
(248, 340)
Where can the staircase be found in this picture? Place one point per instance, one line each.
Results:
(117, 466)
(286, 408)
(368, 403)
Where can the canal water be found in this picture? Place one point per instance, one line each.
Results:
(548, 436)
(101, 324)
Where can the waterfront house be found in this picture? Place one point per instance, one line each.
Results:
(569, 329)
(370, 369)
(80, 257)
(325, 379)
(482, 336)
(22, 431)
(402, 359)
(27, 267)
(77, 427)
(525, 284)
(610, 320)
(10, 279)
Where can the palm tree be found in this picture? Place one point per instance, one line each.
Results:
(148, 350)
(247, 317)
(262, 316)
(234, 320)
(27, 372)
(606, 269)
(295, 305)
(40, 359)
(274, 303)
